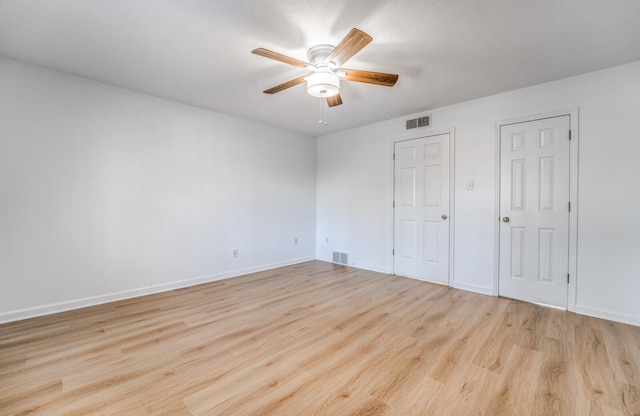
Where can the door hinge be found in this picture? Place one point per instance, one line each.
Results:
(394, 204)
(569, 134)
(569, 206)
(394, 156)
(567, 277)
(393, 251)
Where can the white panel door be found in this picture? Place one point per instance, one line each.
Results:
(421, 233)
(534, 211)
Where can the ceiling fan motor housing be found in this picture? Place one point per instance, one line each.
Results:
(318, 54)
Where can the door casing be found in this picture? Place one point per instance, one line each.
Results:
(573, 114)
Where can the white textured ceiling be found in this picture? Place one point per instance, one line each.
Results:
(198, 51)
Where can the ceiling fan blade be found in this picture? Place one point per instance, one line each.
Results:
(286, 85)
(349, 46)
(370, 77)
(280, 57)
(334, 100)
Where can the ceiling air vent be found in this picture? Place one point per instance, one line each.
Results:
(424, 121)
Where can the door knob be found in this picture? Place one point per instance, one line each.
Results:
(506, 219)
(444, 216)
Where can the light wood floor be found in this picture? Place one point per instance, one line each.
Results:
(319, 339)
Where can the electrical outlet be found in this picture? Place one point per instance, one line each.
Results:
(470, 185)
(295, 240)
(235, 253)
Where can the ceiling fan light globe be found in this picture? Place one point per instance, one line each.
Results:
(323, 84)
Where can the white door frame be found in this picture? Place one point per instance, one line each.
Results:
(452, 216)
(573, 114)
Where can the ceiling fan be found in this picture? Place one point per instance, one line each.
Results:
(326, 65)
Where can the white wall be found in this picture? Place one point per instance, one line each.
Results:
(355, 187)
(106, 193)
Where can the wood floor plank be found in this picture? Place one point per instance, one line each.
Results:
(553, 377)
(319, 339)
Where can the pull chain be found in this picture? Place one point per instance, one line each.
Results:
(323, 111)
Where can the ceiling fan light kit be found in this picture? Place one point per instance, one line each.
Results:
(326, 66)
(323, 84)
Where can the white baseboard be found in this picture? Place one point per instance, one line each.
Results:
(487, 290)
(52, 308)
(484, 290)
(358, 266)
(609, 315)
(371, 268)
